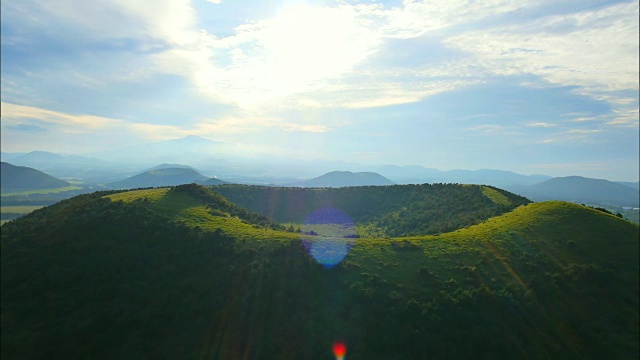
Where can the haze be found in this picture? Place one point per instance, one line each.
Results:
(533, 87)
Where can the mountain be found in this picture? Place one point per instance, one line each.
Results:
(635, 185)
(160, 177)
(171, 166)
(21, 178)
(346, 178)
(582, 190)
(48, 160)
(214, 181)
(183, 273)
(5, 156)
(79, 169)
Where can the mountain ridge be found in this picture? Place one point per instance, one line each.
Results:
(22, 178)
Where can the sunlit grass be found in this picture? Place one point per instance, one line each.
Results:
(495, 196)
(152, 195)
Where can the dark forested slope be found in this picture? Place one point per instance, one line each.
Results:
(183, 273)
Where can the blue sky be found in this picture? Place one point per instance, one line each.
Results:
(541, 87)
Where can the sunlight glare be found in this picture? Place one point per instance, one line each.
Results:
(308, 43)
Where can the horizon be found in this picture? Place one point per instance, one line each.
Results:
(542, 88)
(369, 167)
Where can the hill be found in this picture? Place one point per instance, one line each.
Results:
(160, 177)
(183, 273)
(635, 185)
(383, 210)
(214, 181)
(346, 178)
(89, 171)
(21, 178)
(582, 190)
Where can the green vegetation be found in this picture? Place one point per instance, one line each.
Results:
(183, 273)
(397, 210)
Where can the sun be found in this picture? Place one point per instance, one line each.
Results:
(297, 51)
(306, 43)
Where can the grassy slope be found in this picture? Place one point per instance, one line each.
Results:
(391, 210)
(549, 279)
(195, 212)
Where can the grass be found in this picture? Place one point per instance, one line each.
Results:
(43, 191)
(152, 195)
(495, 196)
(192, 212)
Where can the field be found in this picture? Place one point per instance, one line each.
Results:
(43, 191)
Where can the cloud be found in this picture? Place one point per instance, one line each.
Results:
(318, 56)
(595, 51)
(488, 128)
(627, 117)
(540, 124)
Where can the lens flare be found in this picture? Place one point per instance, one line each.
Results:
(333, 234)
(339, 350)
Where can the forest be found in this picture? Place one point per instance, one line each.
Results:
(133, 275)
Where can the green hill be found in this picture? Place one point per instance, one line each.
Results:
(21, 178)
(183, 273)
(382, 210)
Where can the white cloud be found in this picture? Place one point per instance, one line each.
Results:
(489, 128)
(316, 56)
(584, 131)
(597, 51)
(540, 124)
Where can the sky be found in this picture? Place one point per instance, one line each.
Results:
(531, 86)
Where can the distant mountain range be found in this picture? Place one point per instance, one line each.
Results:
(581, 190)
(79, 168)
(346, 178)
(418, 174)
(22, 178)
(205, 157)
